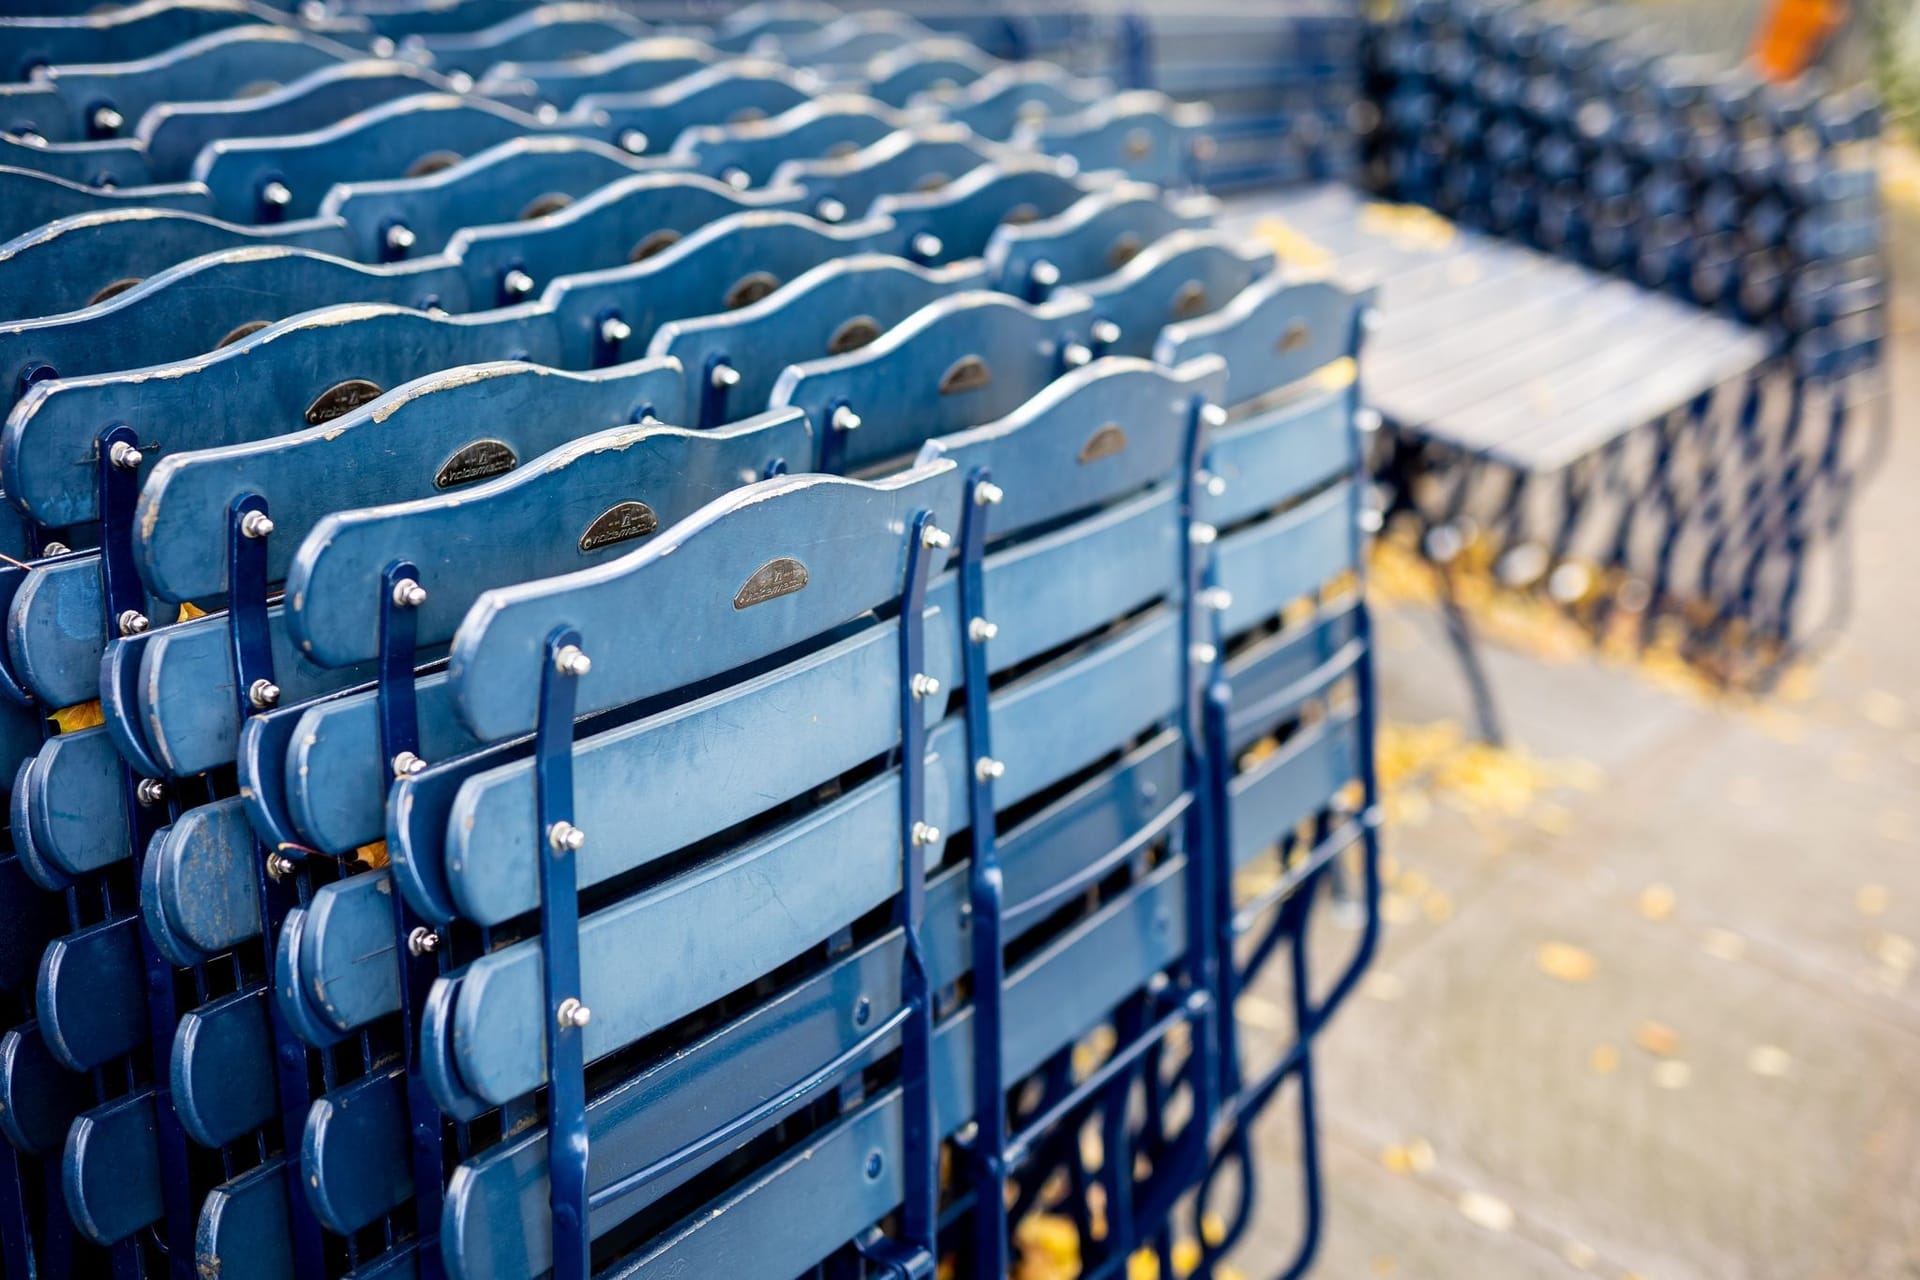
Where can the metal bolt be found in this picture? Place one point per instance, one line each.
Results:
(1213, 417)
(1366, 421)
(1372, 520)
(564, 837)
(845, 419)
(1075, 354)
(406, 764)
(263, 694)
(150, 791)
(829, 210)
(279, 866)
(927, 245)
(1105, 332)
(980, 630)
(55, 549)
(737, 178)
(724, 375)
(1203, 535)
(988, 494)
(572, 661)
(107, 120)
(633, 141)
(1215, 485)
(132, 622)
(125, 456)
(924, 685)
(1203, 654)
(1218, 599)
(935, 538)
(256, 525)
(574, 1014)
(987, 769)
(409, 594)
(614, 331)
(276, 195)
(516, 283)
(925, 833)
(423, 941)
(1044, 274)
(400, 238)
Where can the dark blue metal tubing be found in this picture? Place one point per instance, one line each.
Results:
(119, 487)
(279, 879)
(417, 946)
(560, 944)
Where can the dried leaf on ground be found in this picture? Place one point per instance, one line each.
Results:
(1656, 902)
(1565, 961)
(1657, 1038)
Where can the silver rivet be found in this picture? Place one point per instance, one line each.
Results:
(564, 837)
(986, 769)
(150, 791)
(572, 661)
(574, 1014)
(935, 538)
(1105, 332)
(276, 195)
(279, 866)
(1203, 654)
(516, 283)
(31, 138)
(829, 210)
(107, 120)
(633, 141)
(1075, 354)
(1213, 416)
(724, 375)
(927, 245)
(737, 178)
(400, 238)
(1215, 485)
(925, 833)
(132, 622)
(406, 764)
(256, 525)
(988, 494)
(263, 694)
(409, 594)
(55, 549)
(1371, 520)
(980, 630)
(614, 330)
(546, 113)
(423, 941)
(1044, 274)
(1370, 319)
(845, 419)
(1203, 535)
(924, 685)
(1366, 421)
(125, 456)
(382, 46)
(1218, 599)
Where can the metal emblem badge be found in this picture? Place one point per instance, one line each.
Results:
(1021, 214)
(1123, 251)
(968, 373)
(1190, 301)
(750, 289)
(1139, 144)
(775, 578)
(1294, 338)
(552, 202)
(240, 331)
(114, 289)
(477, 461)
(853, 335)
(653, 242)
(622, 522)
(1104, 443)
(341, 397)
(433, 162)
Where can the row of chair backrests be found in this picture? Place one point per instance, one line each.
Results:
(1053, 519)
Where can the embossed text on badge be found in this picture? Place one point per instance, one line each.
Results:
(622, 522)
(341, 397)
(1104, 443)
(770, 581)
(477, 461)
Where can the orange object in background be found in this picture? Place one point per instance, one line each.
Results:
(1791, 37)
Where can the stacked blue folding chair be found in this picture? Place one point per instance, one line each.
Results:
(639, 646)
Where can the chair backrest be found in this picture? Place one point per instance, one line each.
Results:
(747, 154)
(1098, 234)
(920, 159)
(637, 66)
(1145, 135)
(1181, 276)
(960, 217)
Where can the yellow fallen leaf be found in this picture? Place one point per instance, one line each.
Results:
(1384, 1265)
(1396, 1160)
(1798, 683)
(81, 715)
(1565, 961)
(1769, 1060)
(1671, 1074)
(1420, 1155)
(189, 611)
(1488, 1211)
(1657, 1038)
(1656, 902)
(1870, 899)
(373, 855)
(1604, 1060)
